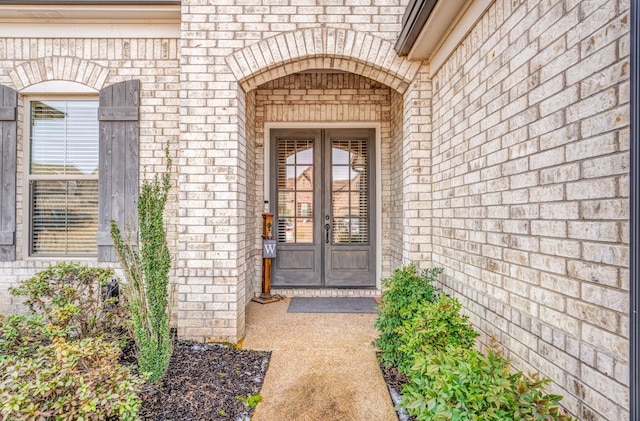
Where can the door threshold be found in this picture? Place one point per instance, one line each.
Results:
(326, 292)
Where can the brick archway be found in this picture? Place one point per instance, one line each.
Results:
(70, 69)
(321, 48)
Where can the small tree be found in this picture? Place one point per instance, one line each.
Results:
(147, 274)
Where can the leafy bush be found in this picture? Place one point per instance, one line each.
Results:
(22, 335)
(458, 384)
(62, 362)
(68, 296)
(67, 381)
(432, 328)
(424, 335)
(147, 273)
(532, 402)
(403, 293)
(464, 384)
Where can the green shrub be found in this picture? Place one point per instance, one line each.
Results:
(532, 401)
(67, 295)
(424, 335)
(432, 328)
(403, 293)
(68, 381)
(22, 335)
(147, 273)
(459, 384)
(464, 384)
(62, 362)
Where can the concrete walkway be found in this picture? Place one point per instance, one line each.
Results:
(323, 366)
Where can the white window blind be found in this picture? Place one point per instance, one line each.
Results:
(63, 177)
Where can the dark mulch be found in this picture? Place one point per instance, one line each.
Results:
(395, 381)
(205, 382)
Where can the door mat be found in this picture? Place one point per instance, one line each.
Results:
(332, 305)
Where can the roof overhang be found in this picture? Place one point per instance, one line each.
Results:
(414, 19)
(433, 28)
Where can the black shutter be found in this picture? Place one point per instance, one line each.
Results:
(119, 173)
(8, 143)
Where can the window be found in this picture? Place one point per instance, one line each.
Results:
(63, 177)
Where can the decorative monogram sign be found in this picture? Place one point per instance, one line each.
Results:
(269, 249)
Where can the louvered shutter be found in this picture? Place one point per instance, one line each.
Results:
(119, 173)
(8, 142)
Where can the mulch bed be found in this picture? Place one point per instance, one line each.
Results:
(205, 382)
(395, 381)
(208, 382)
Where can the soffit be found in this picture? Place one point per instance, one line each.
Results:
(437, 33)
(443, 16)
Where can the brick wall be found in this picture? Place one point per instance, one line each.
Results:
(416, 170)
(530, 191)
(95, 63)
(229, 49)
(255, 203)
(393, 202)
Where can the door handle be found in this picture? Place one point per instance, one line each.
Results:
(327, 227)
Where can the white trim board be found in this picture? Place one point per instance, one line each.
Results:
(90, 30)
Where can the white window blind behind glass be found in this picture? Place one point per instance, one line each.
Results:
(63, 177)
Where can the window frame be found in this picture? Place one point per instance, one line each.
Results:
(27, 207)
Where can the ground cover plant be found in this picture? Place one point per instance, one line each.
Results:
(61, 361)
(428, 346)
(51, 371)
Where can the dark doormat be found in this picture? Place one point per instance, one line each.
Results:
(332, 305)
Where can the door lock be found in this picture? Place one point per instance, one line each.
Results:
(327, 227)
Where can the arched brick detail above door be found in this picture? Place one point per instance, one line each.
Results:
(321, 48)
(70, 69)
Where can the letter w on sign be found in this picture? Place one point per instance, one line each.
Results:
(269, 249)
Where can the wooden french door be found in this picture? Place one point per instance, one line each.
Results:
(322, 191)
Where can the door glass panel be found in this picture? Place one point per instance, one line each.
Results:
(340, 204)
(305, 205)
(304, 230)
(341, 176)
(358, 180)
(341, 230)
(295, 190)
(340, 154)
(285, 182)
(303, 177)
(286, 204)
(349, 193)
